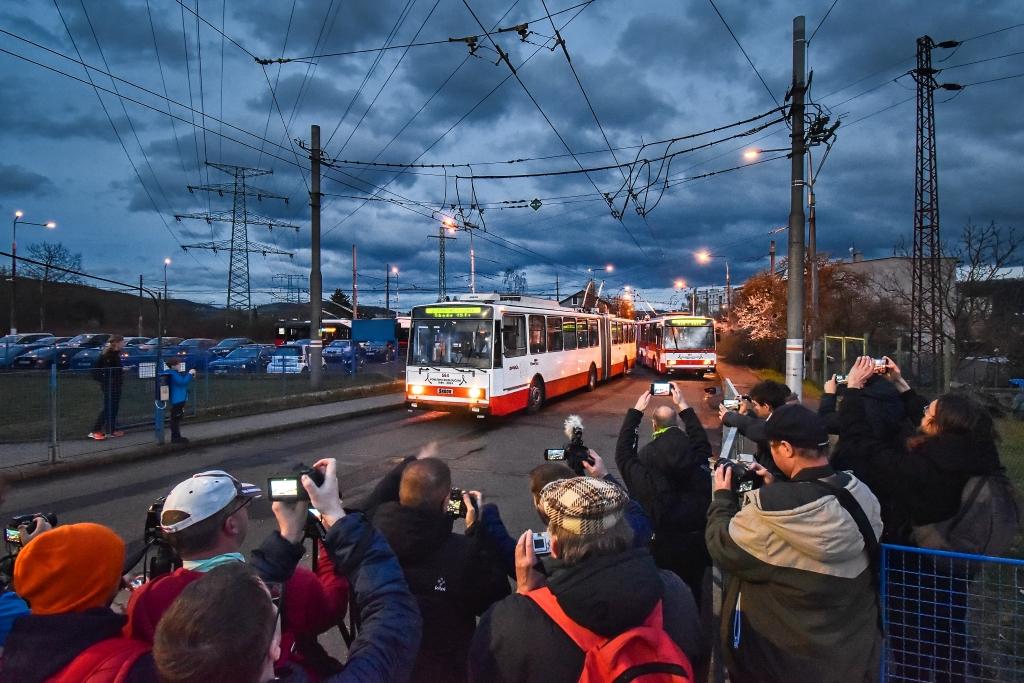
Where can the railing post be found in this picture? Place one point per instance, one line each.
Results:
(54, 447)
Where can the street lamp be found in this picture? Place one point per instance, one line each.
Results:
(704, 257)
(394, 271)
(14, 259)
(591, 269)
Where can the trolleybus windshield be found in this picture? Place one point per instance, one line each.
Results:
(452, 337)
(689, 338)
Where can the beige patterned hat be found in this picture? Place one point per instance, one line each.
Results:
(583, 505)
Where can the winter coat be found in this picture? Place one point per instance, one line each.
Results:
(800, 602)
(455, 578)
(390, 627)
(671, 479)
(41, 646)
(313, 604)
(927, 479)
(108, 370)
(179, 383)
(517, 641)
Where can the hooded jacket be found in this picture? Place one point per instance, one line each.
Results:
(517, 641)
(454, 580)
(926, 481)
(40, 647)
(800, 603)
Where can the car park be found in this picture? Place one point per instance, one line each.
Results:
(195, 352)
(132, 356)
(245, 359)
(30, 338)
(290, 359)
(44, 357)
(10, 353)
(85, 359)
(167, 342)
(377, 351)
(226, 346)
(135, 341)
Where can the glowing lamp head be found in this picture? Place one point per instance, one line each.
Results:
(751, 154)
(51, 225)
(703, 256)
(609, 268)
(167, 261)
(19, 214)
(394, 270)
(476, 392)
(679, 284)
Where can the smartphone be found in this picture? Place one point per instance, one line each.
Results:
(840, 379)
(12, 536)
(286, 489)
(554, 454)
(661, 389)
(881, 365)
(731, 403)
(542, 543)
(456, 506)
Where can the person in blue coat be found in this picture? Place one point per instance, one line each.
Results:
(178, 382)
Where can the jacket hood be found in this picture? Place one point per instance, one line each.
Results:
(813, 530)
(412, 533)
(40, 646)
(961, 454)
(607, 594)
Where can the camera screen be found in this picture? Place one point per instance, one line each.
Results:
(731, 404)
(284, 488)
(554, 454)
(542, 543)
(660, 389)
(12, 535)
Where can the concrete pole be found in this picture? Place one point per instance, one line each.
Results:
(140, 305)
(812, 256)
(387, 289)
(771, 258)
(795, 289)
(355, 286)
(472, 263)
(315, 276)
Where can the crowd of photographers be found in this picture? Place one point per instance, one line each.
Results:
(609, 587)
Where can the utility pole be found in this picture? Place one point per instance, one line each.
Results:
(795, 285)
(771, 258)
(558, 295)
(355, 287)
(239, 247)
(446, 225)
(812, 257)
(387, 289)
(140, 305)
(315, 279)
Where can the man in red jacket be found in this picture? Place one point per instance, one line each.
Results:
(205, 518)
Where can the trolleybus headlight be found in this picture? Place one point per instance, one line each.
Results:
(417, 389)
(708, 361)
(476, 392)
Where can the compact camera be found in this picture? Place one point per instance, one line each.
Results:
(731, 403)
(744, 478)
(12, 534)
(288, 488)
(541, 543)
(661, 389)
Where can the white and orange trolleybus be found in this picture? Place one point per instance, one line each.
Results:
(493, 354)
(678, 343)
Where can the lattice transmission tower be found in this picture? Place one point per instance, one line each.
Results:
(240, 218)
(927, 324)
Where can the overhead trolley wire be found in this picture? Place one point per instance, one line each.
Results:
(749, 61)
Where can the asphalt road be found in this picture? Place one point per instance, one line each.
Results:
(493, 456)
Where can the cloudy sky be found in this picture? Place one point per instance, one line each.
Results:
(652, 71)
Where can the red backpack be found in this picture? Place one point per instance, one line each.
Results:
(108, 661)
(643, 653)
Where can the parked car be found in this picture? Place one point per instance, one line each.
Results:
(195, 352)
(378, 351)
(252, 358)
(133, 355)
(339, 352)
(226, 346)
(290, 359)
(10, 353)
(45, 356)
(87, 340)
(85, 359)
(31, 338)
(168, 342)
(135, 341)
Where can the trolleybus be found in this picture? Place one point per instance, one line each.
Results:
(678, 343)
(493, 354)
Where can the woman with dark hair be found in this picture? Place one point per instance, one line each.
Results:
(109, 373)
(926, 595)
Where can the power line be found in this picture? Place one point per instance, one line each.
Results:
(163, 81)
(214, 27)
(277, 80)
(992, 80)
(815, 31)
(749, 61)
(191, 101)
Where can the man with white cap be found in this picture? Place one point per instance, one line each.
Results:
(205, 519)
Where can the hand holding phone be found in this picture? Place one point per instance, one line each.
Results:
(661, 389)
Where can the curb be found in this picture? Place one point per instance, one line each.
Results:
(84, 463)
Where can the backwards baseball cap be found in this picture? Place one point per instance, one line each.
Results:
(798, 425)
(583, 505)
(201, 497)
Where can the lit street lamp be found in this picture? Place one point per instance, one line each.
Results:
(704, 257)
(591, 269)
(394, 271)
(14, 259)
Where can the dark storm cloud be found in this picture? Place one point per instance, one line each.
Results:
(19, 181)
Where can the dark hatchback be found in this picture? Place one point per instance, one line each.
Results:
(245, 359)
(226, 346)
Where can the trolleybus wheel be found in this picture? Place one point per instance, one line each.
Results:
(535, 400)
(592, 379)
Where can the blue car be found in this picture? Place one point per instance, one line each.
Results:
(245, 359)
(226, 346)
(195, 353)
(10, 353)
(43, 358)
(85, 359)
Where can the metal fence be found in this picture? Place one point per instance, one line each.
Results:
(951, 616)
(50, 414)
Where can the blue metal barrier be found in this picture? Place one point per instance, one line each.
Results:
(951, 616)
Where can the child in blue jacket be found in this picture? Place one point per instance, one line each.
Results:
(178, 382)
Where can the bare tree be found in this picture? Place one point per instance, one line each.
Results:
(53, 258)
(514, 280)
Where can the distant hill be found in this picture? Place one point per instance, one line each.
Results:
(69, 309)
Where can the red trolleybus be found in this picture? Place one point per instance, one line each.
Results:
(494, 354)
(678, 343)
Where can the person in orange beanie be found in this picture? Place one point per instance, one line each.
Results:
(69, 576)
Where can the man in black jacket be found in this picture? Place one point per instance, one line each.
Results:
(599, 581)
(454, 577)
(763, 398)
(671, 479)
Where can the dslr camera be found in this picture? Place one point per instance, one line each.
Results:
(574, 453)
(744, 478)
(288, 488)
(12, 534)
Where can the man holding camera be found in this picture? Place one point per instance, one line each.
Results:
(753, 410)
(669, 477)
(801, 603)
(454, 577)
(205, 519)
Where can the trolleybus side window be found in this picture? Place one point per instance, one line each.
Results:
(582, 333)
(554, 333)
(513, 332)
(537, 336)
(595, 340)
(569, 333)
(616, 332)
